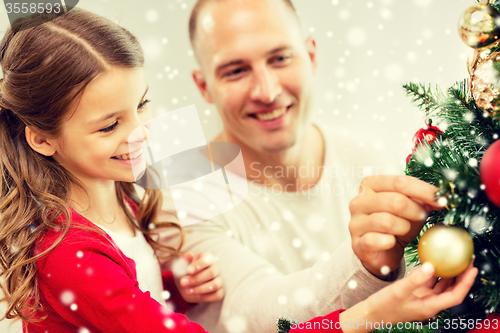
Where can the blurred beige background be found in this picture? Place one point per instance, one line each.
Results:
(366, 50)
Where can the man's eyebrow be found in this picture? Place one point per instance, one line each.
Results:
(239, 61)
(278, 49)
(111, 115)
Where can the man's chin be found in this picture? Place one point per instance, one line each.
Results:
(278, 147)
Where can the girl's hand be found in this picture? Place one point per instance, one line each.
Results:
(415, 298)
(203, 282)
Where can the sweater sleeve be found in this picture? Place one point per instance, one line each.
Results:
(90, 286)
(255, 289)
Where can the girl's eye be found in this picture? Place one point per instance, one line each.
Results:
(143, 104)
(109, 128)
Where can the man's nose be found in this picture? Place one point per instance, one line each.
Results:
(266, 86)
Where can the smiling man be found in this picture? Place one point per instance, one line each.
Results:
(258, 72)
(286, 250)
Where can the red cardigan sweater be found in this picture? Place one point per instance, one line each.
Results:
(86, 284)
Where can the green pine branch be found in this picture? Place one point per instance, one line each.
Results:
(284, 324)
(423, 96)
(493, 3)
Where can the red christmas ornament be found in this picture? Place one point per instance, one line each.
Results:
(429, 134)
(489, 172)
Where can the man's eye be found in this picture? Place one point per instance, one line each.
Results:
(281, 59)
(234, 72)
(109, 128)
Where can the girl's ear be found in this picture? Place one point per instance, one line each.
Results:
(39, 142)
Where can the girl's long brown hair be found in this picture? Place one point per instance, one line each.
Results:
(45, 67)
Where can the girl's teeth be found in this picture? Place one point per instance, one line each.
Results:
(272, 114)
(129, 156)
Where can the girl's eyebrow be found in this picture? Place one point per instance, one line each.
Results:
(111, 115)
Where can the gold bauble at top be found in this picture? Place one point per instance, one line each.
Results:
(448, 248)
(478, 26)
(485, 83)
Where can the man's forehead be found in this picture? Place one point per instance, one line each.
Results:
(231, 24)
(232, 12)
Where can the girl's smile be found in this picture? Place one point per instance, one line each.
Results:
(130, 159)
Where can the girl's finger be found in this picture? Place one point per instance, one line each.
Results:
(418, 278)
(461, 276)
(188, 256)
(426, 289)
(201, 277)
(200, 262)
(212, 297)
(456, 293)
(207, 288)
(442, 285)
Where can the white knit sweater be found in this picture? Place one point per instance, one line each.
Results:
(286, 253)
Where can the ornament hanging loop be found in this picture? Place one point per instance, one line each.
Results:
(427, 119)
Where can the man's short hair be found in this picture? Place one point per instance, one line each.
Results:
(193, 19)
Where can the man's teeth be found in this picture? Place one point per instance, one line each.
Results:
(129, 156)
(271, 115)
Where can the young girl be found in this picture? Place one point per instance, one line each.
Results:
(72, 255)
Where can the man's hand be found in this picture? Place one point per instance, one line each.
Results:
(203, 282)
(386, 216)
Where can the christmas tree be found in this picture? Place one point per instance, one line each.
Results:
(462, 158)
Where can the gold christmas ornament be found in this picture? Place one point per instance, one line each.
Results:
(478, 26)
(485, 83)
(448, 248)
(472, 61)
(477, 57)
